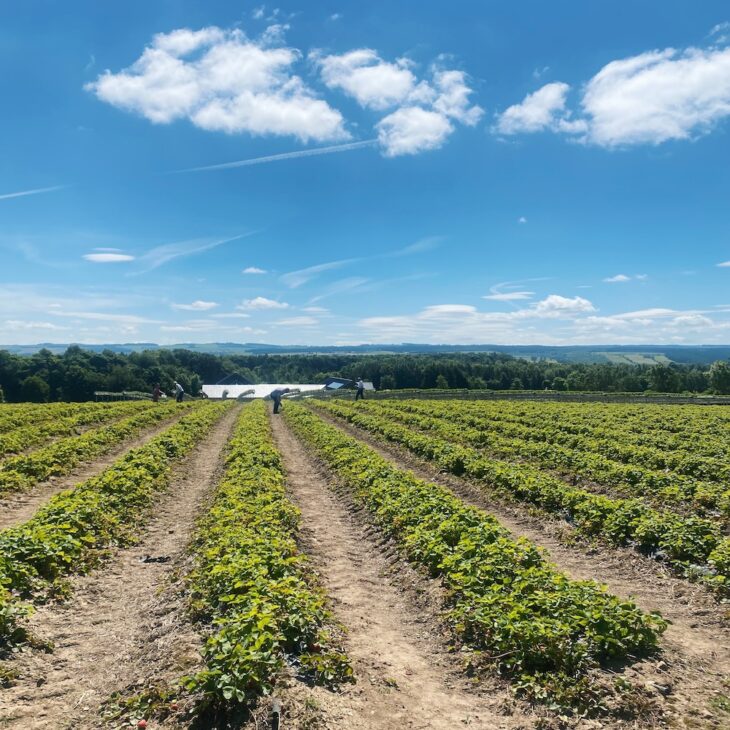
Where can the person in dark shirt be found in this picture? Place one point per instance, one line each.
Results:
(156, 393)
(276, 396)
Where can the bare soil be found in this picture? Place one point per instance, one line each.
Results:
(693, 671)
(123, 623)
(19, 507)
(406, 676)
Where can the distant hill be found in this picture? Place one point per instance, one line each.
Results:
(625, 354)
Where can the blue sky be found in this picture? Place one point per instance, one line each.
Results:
(347, 172)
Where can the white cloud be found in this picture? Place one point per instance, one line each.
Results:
(724, 264)
(658, 96)
(297, 322)
(618, 279)
(221, 81)
(262, 303)
(411, 130)
(557, 306)
(650, 98)
(537, 111)
(253, 270)
(425, 110)
(197, 306)
(231, 315)
(509, 296)
(452, 97)
(437, 310)
(362, 74)
(316, 310)
(623, 278)
(522, 219)
(108, 258)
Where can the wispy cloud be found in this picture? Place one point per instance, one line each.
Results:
(297, 322)
(161, 255)
(350, 284)
(104, 316)
(512, 291)
(35, 191)
(253, 270)
(424, 244)
(295, 279)
(724, 264)
(285, 156)
(231, 315)
(509, 296)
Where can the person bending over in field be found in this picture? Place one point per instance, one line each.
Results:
(156, 393)
(276, 396)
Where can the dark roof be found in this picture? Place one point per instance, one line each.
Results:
(337, 382)
(234, 379)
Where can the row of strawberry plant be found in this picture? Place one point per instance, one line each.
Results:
(252, 591)
(506, 601)
(710, 464)
(666, 427)
(25, 437)
(19, 473)
(17, 415)
(659, 487)
(696, 547)
(76, 528)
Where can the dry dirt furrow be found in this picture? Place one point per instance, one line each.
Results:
(17, 508)
(697, 642)
(102, 635)
(405, 676)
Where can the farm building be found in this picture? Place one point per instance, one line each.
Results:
(260, 390)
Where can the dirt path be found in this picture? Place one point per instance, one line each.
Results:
(405, 676)
(697, 642)
(103, 634)
(17, 508)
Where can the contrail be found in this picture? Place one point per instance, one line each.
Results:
(22, 193)
(285, 156)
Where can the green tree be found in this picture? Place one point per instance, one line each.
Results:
(720, 377)
(442, 383)
(387, 382)
(559, 384)
(663, 379)
(35, 390)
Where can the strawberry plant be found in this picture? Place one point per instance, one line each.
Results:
(506, 601)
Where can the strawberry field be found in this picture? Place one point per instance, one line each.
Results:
(521, 564)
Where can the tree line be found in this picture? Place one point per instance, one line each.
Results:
(77, 373)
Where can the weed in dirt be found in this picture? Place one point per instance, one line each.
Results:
(721, 702)
(8, 676)
(159, 702)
